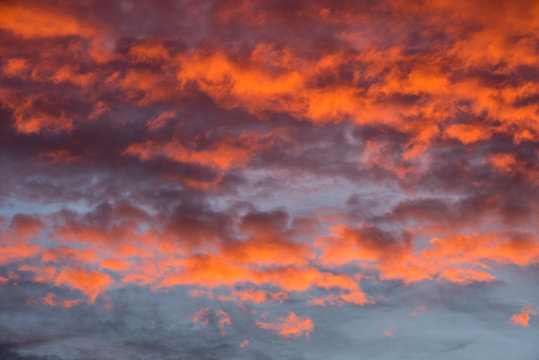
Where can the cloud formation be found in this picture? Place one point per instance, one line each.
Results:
(524, 317)
(290, 326)
(352, 163)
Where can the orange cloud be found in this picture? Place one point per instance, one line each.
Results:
(213, 271)
(292, 326)
(524, 317)
(90, 282)
(459, 258)
(244, 343)
(209, 270)
(30, 22)
(51, 300)
(316, 302)
(268, 249)
(34, 112)
(201, 316)
(18, 252)
(366, 244)
(467, 133)
(70, 74)
(15, 66)
(453, 100)
(149, 52)
(224, 319)
(225, 153)
(160, 120)
(115, 264)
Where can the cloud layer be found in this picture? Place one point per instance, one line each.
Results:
(282, 177)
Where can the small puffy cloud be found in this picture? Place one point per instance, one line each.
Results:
(291, 326)
(244, 343)
(523, 318)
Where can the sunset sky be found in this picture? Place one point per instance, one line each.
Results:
(262, 179)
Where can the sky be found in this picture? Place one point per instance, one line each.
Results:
(262, 179)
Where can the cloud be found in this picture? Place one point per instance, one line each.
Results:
(244, 343)
(91, 283)
(42, 23)
(343, 161)
(224, 319)
(256, 296)
(25, 226)
(524, 317)
(291, 326)
(201, 316)
(420, 310)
